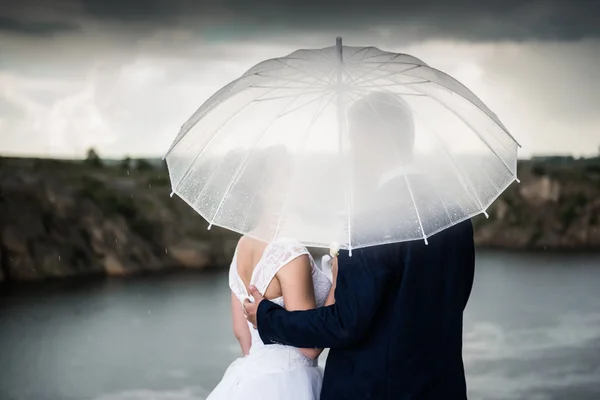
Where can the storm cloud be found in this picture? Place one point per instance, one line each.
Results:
(124, 75)
(472, 20)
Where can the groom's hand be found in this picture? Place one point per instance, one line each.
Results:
(251, 308)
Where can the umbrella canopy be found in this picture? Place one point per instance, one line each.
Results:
(348, 145)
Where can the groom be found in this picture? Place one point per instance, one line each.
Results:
(395, 330)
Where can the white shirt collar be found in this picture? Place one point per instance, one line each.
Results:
(395, 173)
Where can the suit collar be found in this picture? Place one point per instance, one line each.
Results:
(396, 173)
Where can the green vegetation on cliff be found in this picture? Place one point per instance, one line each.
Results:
(63, 218)
(555, 207)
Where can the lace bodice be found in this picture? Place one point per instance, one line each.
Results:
(276, 255)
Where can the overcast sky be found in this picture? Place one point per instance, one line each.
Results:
(123, 77)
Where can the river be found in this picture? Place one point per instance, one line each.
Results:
(532, 332)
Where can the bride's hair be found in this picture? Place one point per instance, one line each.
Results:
(269, 169)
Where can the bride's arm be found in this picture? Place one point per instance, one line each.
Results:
(298, 292)
(240, 325)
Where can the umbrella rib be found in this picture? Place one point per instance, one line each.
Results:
(367, 72)
(383, 76)
(262, 177)
(363, 90)
(239, 170)
(351, 56)
(470, 101)
(485, 142)
(388, 78)
(285, 79)
(392, 85)
(286, 96)
(489, 179)
(318, 52)
(437, 192)
(465, 98)
(302, 71)
(241, 167)
(212, 138)
(328, 57)
(323, 93)
(295, 169)
(256, 191)
(279, 87)
(405, 177)
(349, 178)
(305, 104)
(358, 81)
(185, 128)
(373, 56)
(383, 54)
(390, 61)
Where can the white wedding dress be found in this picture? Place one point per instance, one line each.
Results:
(273, 372)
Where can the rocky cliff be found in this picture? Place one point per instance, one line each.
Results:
(555, 207)
(62, 218)
(66, 218)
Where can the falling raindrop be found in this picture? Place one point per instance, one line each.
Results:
(166, 251)
(127, 172)
(150, 185)
(59, 257)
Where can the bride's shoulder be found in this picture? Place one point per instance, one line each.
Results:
(248, 245)
(243, 243)
(289, 245)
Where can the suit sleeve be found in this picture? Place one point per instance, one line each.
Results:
(361, 286)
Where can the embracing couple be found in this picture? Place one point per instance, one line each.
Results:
(392, 316)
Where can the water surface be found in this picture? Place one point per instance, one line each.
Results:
(532, 332)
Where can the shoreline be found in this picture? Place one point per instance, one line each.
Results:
(64, 219)
(182, 271)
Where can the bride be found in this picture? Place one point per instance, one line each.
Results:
(284, 272)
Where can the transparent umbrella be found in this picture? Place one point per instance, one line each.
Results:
(343, 145)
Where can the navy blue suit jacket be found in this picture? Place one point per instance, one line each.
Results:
(395, 330)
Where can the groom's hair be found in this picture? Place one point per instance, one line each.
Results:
(384, 122)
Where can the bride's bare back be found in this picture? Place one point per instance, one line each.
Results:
(250, 253)
(284, 272)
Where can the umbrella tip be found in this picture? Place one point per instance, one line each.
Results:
(517, 179)
(172, 193)
(209, 226)
(338, 48)
(425, 239)
(486, 214)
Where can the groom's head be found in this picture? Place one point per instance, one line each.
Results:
(382, 134)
